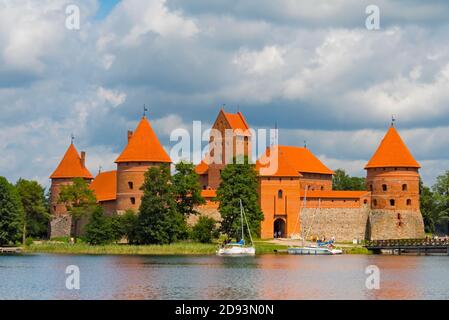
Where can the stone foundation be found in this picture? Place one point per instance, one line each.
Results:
(397, 224)
(345, 224)
(60, 226)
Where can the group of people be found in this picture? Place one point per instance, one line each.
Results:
(277, 234)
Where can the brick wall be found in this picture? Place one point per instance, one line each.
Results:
(399, 224)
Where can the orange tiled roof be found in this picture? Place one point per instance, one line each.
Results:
(237, 121)
(284, 169)
(208, 193)
(294, 160)
(392, 152)
(334, 194)
(202, 168)
(144, 146)
(105, 186)
(71, 166)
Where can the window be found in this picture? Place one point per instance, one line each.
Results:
(404, 187)
(54, 208)
(280, 194)
(375, 202)
(399, 216)
(371, 187)
(409, 202)
(130, 185)
(384, 187)
(392, 202)
(133, 200)
(365, 201)
(322, 188)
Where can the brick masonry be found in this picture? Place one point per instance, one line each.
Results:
(400, 224)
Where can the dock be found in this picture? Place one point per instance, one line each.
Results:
(410, 246)
(10, 250)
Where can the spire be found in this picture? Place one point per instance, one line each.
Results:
(145, 109)
(392, 152)
(71, 166)
(393, 119)
(144, 146)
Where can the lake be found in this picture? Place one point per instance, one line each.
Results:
(210, 277)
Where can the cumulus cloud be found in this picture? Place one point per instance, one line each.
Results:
(313, 69)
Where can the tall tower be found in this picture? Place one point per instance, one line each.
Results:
(143, 151)
(72, 165)
(393, 179)
(234, 140)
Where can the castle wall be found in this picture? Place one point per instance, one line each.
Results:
(398, 224)
(345, 224)
(209, 209)
(316, 181)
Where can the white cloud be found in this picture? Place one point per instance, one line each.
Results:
(259, 62)
(113, 97)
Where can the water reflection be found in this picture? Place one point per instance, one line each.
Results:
(212, 277)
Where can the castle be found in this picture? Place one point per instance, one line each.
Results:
(296, 198)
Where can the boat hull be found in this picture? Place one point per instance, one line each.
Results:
(235, 251)
(313, 251)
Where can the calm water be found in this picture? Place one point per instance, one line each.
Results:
(211, 277)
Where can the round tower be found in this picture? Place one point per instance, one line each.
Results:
(393, 180)
(72, 165)
(143, 151)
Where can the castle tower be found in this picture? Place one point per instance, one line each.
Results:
(234, 140)
(72, 165)
(393, 179)
(143, 151)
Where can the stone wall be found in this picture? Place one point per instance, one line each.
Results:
(210, 209)
(60, 226)
(399, 224)
(345, 224)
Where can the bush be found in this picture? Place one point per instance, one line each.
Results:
(99, 229)
(205, 230)
(29, 241)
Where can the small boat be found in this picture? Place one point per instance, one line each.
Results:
(322, 248)
(239, 248)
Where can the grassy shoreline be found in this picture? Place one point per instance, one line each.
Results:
(180, 248)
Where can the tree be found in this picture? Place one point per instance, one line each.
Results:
(125, 226)
(204, 230)
(427, 206)
(187, 189)
(239, 181)
(159, 221)
(11, 213)
(79, 200)
(99, 229)
(440, 212)
(342, 181)
(36, 215)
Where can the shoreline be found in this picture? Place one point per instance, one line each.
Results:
(179, 248)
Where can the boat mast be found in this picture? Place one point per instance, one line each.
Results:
(241, 217)
(247, 225)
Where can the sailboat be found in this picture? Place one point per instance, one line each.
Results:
(239, 248)
(322, 248)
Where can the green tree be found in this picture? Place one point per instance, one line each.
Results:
(342, 181)
(79, 200)
(204, 230)
(187, 188)
(126, 226)
(99, 230)
(440, 212)
(11, 213)
(427, 207)
(239, 181)
(36, 215)
(159, 221)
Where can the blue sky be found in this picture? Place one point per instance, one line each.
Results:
(312, 67)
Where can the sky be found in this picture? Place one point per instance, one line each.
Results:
(312, 67)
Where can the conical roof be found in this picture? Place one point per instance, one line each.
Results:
(392, 152)
(144, 146)
(71, 166)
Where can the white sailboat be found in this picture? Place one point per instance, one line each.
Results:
(322, 248)
(239, 248)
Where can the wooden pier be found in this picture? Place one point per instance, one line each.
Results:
(406, 246)
(9, 250)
